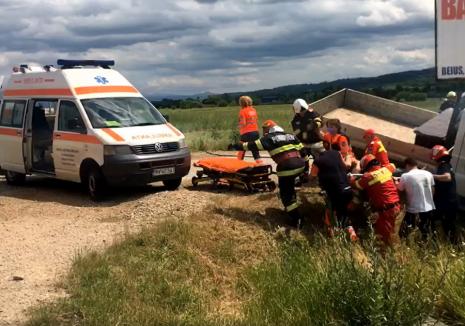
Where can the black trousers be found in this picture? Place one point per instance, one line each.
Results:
(447, 215)
(289, 198)
(339, 202)
(248, 137)
(425, 223)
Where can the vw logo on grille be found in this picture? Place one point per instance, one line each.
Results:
(159, 147)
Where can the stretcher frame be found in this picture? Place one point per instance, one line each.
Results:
(252, 179)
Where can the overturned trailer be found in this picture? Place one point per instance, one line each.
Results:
(394, 122)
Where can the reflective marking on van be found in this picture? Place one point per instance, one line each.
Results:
(112, 134)
(90, 139)
(105, 89)
(11, 132)
(38, 91)
(176, 131)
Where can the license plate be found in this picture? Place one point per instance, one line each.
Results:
(163, 171)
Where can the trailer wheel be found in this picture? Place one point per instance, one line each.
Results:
(96, 184)
(172, 184)
(14, 178)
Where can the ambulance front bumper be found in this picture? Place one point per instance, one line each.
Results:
(135, 170)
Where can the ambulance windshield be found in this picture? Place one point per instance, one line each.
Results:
(121, 112)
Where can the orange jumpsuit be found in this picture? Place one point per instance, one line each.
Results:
(384, 200)
(376, 148)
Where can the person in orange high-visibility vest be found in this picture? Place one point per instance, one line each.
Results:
(375, 147)
(248, 126)
(335, 139)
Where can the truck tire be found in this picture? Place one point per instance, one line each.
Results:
(14, 178)
(172, 184)
(96, 184)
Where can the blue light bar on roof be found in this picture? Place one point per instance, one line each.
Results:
(74, 63)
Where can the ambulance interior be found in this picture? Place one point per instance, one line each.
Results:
(42, 125)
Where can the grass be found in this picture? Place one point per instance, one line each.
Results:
(431, 104)
(216, 128)
(228, 266)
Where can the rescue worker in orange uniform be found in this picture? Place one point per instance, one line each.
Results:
(335, 139)
(248, 126)
(379, 186)
(289, 154)
(375, 147)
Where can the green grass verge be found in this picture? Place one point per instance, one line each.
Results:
(216, 128)
(222, 273)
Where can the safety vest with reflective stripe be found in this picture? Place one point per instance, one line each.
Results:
(248, 120)
(279, 144)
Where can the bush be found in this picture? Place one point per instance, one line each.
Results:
(332, 283)
(453, 292)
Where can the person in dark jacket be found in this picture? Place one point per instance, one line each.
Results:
(331, 171)
(307, 125)
(449, 102)
(287, 151)
(445, 195)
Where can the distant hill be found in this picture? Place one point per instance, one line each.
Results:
(414, 85)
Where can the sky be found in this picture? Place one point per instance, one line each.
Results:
(193, 46)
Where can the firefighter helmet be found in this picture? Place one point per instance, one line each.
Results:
(269, 124)
(368, 133)
(300, 105)
(439, 152)
(366, 161)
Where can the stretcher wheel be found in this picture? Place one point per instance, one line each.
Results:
(271, 186)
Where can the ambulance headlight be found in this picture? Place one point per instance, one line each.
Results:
(111, 150)
(182, 143)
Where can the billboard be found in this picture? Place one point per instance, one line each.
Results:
(450, 39)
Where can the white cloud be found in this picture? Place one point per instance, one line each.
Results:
(188, 46)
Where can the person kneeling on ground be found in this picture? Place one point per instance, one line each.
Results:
(384, 199)
(335, 139)
(248, 126)
(287, 151)
(332, 177)
(445, 196)
(419, 187)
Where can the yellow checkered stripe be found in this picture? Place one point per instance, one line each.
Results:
(286, 148)
(290, 173)
(292, 207)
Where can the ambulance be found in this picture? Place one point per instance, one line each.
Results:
(82, 121)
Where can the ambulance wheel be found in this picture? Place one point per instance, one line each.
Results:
(14, 178)
(172, 184)
(96, 184)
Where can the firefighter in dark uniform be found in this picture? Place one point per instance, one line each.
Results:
(287, 151)
(306, 125)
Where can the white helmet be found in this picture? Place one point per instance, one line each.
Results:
(276, 129)
(300, 105)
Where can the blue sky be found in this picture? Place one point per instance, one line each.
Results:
(191, 46)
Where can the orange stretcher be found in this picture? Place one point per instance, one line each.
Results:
(232, 172)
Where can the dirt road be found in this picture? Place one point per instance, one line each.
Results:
(45, 223)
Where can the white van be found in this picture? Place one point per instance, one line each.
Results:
(458, 160)
(84, 122)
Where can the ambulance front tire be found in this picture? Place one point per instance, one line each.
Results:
(96, 184)
(172, 184)
(14, 178)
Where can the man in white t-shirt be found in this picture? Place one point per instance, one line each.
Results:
(419, 187)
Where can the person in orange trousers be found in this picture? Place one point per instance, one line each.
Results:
(375, 147)
(248, 126)
(380, 188)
